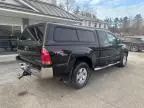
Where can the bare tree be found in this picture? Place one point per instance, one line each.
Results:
(77, 10)
(138, 24)
(61, 6)
(109, 21)
(68, 5)
(116, 24)
(73, 6)
(126, 23)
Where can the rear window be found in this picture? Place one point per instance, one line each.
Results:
(65, 34)
(86, 36)
(33, 33)
(26, 35)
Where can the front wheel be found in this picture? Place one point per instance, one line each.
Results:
(80, 75)
(123, 60)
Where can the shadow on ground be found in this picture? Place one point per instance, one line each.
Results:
(53, 88)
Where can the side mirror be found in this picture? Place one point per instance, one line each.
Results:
(119, 41)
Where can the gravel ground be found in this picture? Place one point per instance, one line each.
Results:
(110, 88)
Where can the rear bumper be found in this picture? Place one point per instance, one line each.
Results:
(39, 71)
(46, 73)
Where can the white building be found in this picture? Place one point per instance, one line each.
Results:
(15, 15)
(91, 22)
(23, 12)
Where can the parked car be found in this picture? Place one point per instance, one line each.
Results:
(69, 50)
(134, 43)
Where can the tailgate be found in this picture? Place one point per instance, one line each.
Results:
(30, 44)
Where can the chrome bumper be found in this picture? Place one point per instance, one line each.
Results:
(42, 73)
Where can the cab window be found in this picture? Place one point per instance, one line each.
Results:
(86, 36)
(111, 39)
(103, 38)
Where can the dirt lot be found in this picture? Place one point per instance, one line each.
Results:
(110, 88)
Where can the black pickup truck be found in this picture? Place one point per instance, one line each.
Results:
(68, 50)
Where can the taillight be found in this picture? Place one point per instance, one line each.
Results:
(45, 57)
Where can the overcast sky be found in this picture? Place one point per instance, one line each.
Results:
(114, 8)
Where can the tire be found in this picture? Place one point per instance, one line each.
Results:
(80, 75)
(123, 60)
(134, 48)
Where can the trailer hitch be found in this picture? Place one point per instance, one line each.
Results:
(25, 73)
(25, 69)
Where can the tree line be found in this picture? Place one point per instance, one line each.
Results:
(85, 9)
(124, 25)
(127, 25)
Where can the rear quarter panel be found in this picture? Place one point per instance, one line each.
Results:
(62, 54)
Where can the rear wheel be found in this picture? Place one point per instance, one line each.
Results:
(80, 75)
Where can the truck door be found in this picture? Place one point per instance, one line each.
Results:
(106, 48)
(115, 48)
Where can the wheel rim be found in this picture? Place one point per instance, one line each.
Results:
(134, 48)
(81, 75)
(124, 60)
